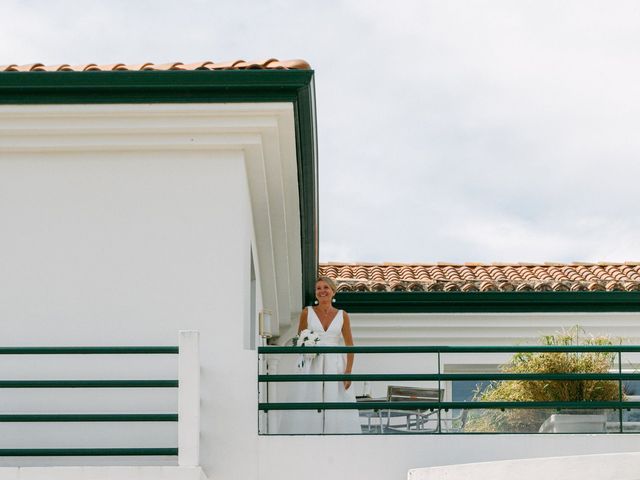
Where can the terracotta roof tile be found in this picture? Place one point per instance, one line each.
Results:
(168, 66)
(479, 277)
(57, 68)
(268, 64)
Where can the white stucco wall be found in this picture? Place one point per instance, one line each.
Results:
(119, 247)
(123, 225)
(391, 457)
(616, 466)
(127, 248)
(102, 473)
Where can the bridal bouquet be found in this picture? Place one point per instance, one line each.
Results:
(306, 338)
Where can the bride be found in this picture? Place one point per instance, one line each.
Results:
(331, 325)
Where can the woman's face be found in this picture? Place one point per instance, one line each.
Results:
(323, 291)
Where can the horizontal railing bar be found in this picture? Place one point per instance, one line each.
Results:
(88, 417)
(86, 452)
(449, 349)
(418, 405)
(357, 377)
(88, 383)
(133, 350)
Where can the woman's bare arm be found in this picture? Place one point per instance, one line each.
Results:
(348, 340)
(302, 323)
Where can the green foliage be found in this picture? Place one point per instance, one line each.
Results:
(529, 420)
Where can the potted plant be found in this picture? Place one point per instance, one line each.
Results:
(533, 420)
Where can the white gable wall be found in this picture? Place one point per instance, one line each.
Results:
(122, 225)
(118, 245)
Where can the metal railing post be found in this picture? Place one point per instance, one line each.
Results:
(620, 396)
(188, 399)
(439, 396)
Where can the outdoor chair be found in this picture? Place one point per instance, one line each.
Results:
(419, 420)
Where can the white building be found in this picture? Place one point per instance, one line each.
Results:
(139, 201)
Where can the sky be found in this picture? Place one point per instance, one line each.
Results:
(451, 131)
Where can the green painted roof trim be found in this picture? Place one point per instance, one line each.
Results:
(296, 86)
(153, 86)
(487, 302)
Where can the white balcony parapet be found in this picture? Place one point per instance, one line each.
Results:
(616, 466)
(188, 399)
(102, 473)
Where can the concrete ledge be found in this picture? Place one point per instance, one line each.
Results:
(102, 473)
(618, 466)
(390, 457)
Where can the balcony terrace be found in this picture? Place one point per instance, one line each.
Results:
(423, 403)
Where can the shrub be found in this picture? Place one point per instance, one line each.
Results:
(529, 420)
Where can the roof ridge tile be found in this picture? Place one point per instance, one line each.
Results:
(264, 64)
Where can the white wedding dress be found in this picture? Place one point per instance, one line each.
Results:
(326, 421)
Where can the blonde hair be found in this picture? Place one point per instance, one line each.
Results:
(329, 281)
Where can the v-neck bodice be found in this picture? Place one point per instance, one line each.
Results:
(330, 336)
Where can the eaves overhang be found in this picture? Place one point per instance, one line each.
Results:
(195, 86)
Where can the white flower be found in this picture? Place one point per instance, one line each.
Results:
(306, 338)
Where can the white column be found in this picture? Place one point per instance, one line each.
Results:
(188, 399)
(273, 416)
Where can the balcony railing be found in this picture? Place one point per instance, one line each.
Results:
(439, 416)
(187, 385)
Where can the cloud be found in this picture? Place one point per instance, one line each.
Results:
(504, 116)
(463, 130)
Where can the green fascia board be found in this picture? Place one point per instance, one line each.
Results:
(487, 302)
(152, 86)
(198, 86)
